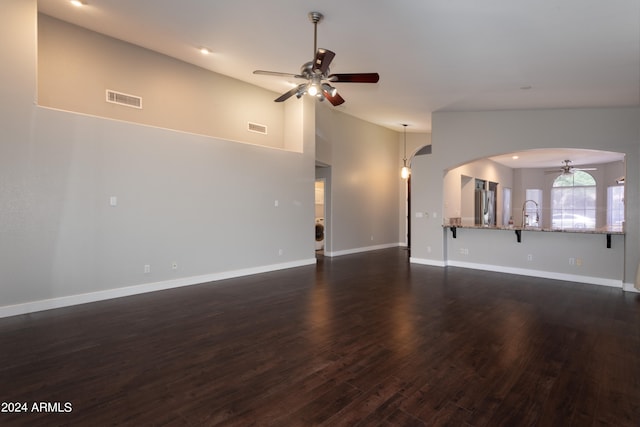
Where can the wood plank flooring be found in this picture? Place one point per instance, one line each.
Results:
(358, 340)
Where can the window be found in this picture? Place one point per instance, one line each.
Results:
(573, 201)
(507, 218)
(615, 206)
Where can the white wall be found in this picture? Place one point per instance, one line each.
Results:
(206, 203)
(460, 137)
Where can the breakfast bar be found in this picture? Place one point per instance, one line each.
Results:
(606, 231)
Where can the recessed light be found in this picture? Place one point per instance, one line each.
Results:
(77, 3)
(515, 157)
(205, 51)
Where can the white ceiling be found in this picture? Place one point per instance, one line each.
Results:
(554, 158)
(432, 55)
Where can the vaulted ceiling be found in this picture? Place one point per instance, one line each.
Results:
(432, 55)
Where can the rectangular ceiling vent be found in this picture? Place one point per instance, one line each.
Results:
(255, 127)
(124, 99)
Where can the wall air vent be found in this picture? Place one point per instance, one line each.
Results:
(124, 99)
(254, 127)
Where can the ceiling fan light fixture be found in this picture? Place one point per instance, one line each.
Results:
(317, 74)
(313, 89)
(332, 91)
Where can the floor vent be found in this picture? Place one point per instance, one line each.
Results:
(254, 127)
(124, 99)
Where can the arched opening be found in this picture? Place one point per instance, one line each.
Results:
(530, 175)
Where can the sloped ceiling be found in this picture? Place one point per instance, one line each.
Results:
(432, 55)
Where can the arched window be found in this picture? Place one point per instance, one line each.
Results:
(573, 201)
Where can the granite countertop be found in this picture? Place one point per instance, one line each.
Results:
(602, 230)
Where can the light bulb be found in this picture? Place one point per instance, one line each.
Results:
(313, 90)
(405, 172)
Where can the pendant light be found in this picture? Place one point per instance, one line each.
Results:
(405, 171)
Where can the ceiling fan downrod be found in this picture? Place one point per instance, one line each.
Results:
(315, 17)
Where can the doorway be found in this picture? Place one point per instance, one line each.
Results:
(320, 214)
(323, 209)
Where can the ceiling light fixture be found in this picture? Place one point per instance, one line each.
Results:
(332, 91)
(77, 3)
(317, 73)
(205, 51)
(313, 89)
(405, 171)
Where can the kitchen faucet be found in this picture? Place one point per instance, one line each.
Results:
(524, 209)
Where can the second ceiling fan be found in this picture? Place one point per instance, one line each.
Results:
(567, 169)
(316, 73)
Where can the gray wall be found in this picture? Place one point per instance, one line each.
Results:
(415, 141)
(207, 204)
(365, 181)
(460, 137)
(76, 66)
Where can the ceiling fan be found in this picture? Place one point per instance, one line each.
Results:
(567, 169)
(316, 73)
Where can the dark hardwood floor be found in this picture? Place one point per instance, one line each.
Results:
(362, 340)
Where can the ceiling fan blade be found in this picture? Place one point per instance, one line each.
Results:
(322, 60)
(289, 94)
(335, 100)
(585, 169)
(276, 73)
(354, 78)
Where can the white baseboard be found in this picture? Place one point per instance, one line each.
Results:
(602, 281)
(48, 304)
(432, 262)
(630, 287)
(364, 249)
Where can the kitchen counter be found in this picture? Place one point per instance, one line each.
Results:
(602, 230)
(608, 231)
